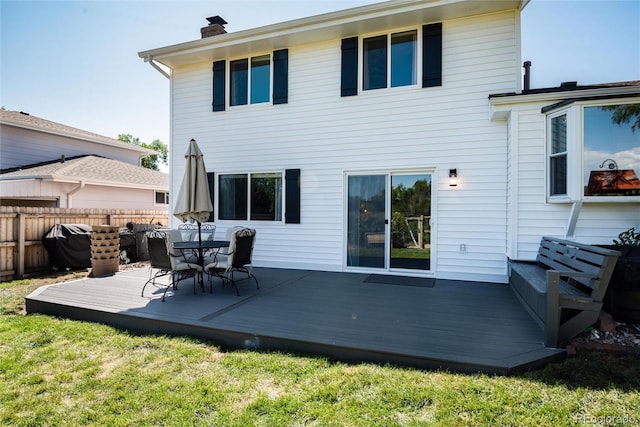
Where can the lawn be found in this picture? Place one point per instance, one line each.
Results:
(62, 372)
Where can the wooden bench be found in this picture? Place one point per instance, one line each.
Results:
(564, 289)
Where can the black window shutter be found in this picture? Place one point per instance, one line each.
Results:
(212, 186)
(280, 76)
(432, 55)
(218, 85)
(292, 196)
(349, 78)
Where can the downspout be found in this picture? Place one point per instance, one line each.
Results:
(72, 192)
(149, 59)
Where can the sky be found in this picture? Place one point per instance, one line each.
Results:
(76, 62)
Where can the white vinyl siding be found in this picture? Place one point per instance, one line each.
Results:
(400, 129)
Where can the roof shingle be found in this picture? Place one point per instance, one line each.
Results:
(27, 121)
(96, 170)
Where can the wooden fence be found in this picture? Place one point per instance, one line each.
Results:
(22, 228)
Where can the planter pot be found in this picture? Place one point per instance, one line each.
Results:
(622, 299)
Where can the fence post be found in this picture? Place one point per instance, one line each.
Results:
(20, 247)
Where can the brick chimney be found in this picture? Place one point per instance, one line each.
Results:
(215, 27)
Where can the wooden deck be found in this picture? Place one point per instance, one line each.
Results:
(460, 326)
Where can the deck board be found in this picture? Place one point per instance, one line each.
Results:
(461, 326)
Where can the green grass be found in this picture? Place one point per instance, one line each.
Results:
(411, 253)
(61, 372)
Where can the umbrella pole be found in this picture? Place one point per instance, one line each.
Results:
(200, 254)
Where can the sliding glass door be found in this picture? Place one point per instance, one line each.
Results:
(389, 221)
(366, 218)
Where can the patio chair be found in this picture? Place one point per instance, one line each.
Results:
(179, 266)
(189, 232)
(237, 259)
(221, 254)
(158, 257)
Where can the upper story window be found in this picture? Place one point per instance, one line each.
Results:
(249, 81)
(255, 80)
(594, 152)
(392, 60)
(393, 56)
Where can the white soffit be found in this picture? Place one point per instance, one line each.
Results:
(377, 17)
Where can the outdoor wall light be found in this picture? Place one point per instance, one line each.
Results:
(453, 177)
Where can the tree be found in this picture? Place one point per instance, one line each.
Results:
(149, 162)
(626, 113)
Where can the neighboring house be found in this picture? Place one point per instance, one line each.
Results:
(47, 164)
(27, 139)
(85, 182)
(374, 139)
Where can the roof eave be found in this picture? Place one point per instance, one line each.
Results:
(566, 94)
(119, 144)
(502, 105)
(334, 25)
(63, 179)
(103, 183)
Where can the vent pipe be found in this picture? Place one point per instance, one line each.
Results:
(527, 75)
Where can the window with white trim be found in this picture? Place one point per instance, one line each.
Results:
(558, 156)
(393, 55)
(253, 80)
(593, 152)
(369, 61)
(252, 196)
(162, 198)
(250, 80)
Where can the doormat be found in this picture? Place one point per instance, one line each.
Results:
(422, 282)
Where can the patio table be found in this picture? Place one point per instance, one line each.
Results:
(215, 245)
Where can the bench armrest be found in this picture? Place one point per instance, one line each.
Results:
(575, 274)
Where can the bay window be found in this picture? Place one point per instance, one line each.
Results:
(558, 156)
(593, 152)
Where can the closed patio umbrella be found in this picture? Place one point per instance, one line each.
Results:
(193, 203)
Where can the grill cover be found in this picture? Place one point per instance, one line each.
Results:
(68, 246)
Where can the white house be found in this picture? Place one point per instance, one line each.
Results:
(48, 164)
(373, 139)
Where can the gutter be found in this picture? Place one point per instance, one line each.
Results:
(501, 105)
(149, 59)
